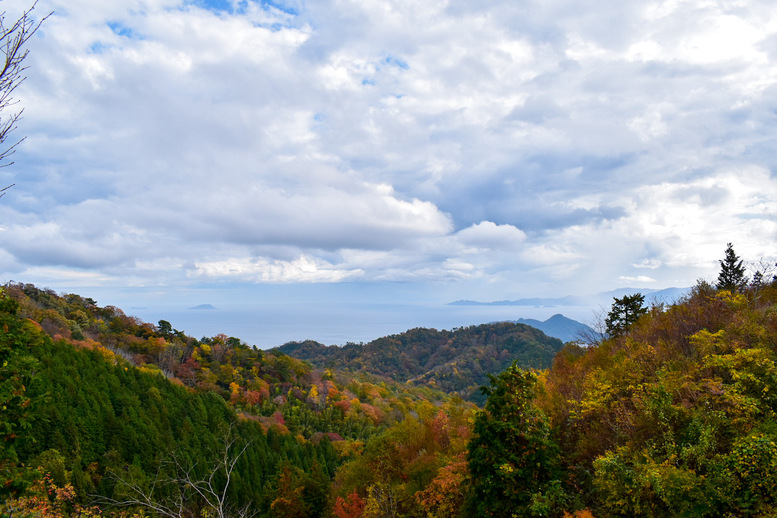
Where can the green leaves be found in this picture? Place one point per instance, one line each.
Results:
(17, 367)
(513, 458)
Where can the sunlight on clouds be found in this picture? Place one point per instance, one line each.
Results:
(489, 235)
(674, 220)
(650, 264)
(459, 268)
(95, 69)
(722, 38)
(678, 217)
(646, 50)
(346, 72)
(52, 277)
(639, 279)
(509, 143)
(302, 269)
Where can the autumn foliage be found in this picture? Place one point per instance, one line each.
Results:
(674, 415)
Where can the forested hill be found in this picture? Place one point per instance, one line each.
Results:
(672, 415)
(122, 412)
(457, 361)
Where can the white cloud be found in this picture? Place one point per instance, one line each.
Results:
(650, 264)
(639, 279)
(532, 146)
(302, 269)
(489, 235)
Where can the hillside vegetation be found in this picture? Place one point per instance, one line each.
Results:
(678, 416)
(675, 415)
(456, 362)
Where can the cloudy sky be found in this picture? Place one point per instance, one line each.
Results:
(397, 148)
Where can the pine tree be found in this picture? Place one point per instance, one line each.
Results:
(625, 311)
(732, 272)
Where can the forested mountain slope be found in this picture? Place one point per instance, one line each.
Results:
(456, 362)
(90, 419)
(106, 403)
(677, 416)
(674, 416)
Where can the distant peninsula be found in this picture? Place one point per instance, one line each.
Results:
(667, 295)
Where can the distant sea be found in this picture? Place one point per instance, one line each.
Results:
(270, 325)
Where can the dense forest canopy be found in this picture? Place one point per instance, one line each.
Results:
(673, 415)
(456, 362)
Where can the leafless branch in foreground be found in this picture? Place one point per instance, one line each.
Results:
(188, 488)
(13, 37)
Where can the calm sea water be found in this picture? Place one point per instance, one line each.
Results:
(270, 325)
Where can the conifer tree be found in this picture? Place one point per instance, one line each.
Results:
(625, 311)
(732, 272)
(513, 459)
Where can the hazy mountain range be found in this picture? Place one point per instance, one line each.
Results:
(604, 299)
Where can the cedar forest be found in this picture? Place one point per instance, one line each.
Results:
(672, 411)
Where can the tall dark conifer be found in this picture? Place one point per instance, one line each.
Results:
(732, 272)
(625, 311)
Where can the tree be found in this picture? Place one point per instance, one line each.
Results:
(513, 459)
(732, 272)
(13, 37)
(17, 368)
(765, 273)
(625, 311)
(444, 497)
(181, 487)
(353, 507)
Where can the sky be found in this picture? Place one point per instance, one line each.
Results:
(201, 151)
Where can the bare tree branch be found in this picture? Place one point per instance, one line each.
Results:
(186, 487)
(13, 37)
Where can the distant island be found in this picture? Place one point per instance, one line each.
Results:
(203, 306)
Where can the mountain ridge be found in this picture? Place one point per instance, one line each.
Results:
(456, 361)
(665, 295)
(559, 326)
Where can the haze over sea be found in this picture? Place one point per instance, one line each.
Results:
(271, 324)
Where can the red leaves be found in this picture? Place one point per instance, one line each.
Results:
(351, 508)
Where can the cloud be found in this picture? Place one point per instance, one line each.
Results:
(302, 269)
(532, 146)
(489, 235)
(650, 264)
(639, 279)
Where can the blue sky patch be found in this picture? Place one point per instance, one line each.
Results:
(122, 30)
(239, 7)
(396, 62)
(216, 6)
(280, 6)
(98, 47)
(232, 7)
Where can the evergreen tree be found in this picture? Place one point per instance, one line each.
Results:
(732, 272)
(513, 459)
(17, 368)
(625, 311)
